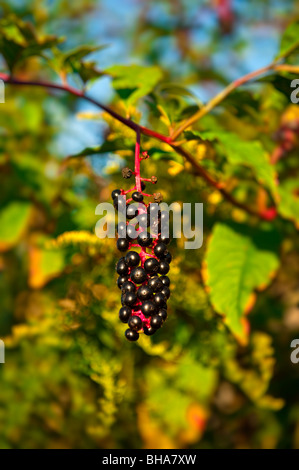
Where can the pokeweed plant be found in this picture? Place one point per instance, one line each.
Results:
(226, 153)
(231, 303)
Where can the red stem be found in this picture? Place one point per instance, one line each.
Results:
(80, 94)
(145, 131)
(137, 161)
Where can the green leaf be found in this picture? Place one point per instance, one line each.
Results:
(44, 264)
(14, 219)
(289, 41)
(107, 147)
(158, 154)
(132, 82)
(288, 206)
(18, 41)
(72, 62)
(240, 152)
(238, 261)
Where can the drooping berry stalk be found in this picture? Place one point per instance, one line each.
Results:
(137, 162)
(142, 274)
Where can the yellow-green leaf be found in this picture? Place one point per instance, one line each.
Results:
(14, 219)
(132, 82)
(289, 41)
(240, 152)
(238, 262)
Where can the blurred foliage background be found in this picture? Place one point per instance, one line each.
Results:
(212, 377)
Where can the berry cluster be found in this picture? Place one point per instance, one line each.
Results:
(143, 279)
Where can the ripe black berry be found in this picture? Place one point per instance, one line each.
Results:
(130, 298)
(162, 312)
(121, 280)
(155, 283)
(148, 308)
(143, 185)
(135, 323)
(156, 321)
(131, 335)
(138, 275)
(124, 314)
(115, 192)
(165, 291)
(144, 239)
(128, 287)
(151, 265)
(122, 244)
(132, 258)
(121, 267)
(149, 331)
(119, 203)
(163, 267)
(144, 220)
(154, 210)
(121, 229)
(168, 258)
(159, 299)
(165, 280)
(137, 197)
(131, 232)
(132, 211)
(160, 250)
(164, 239)
(144, 292)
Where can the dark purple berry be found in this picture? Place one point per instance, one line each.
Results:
(148, 308)
(144, 239)
(122, 229)
(121, 267)
(165, 291)
(165, 280)
(144, 220)
(137, 197)
(155, 283)
(143, 185)
(138, 275)
(132, 211)
(135, 323)
(130, 298)
(115, 193)
(121, 280)
(119, 203)
(151, 265)
(131, 232)
(163, 267)
(128, 287)
(144, 292)
(159, 299)
(160, 250)
(168, 257)
(164, 239)
(131, 335)
(154, 210)
(149, 331)
(162, 312)
(132, 258)
(156, 321)
(124, 314)
(122, 244)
